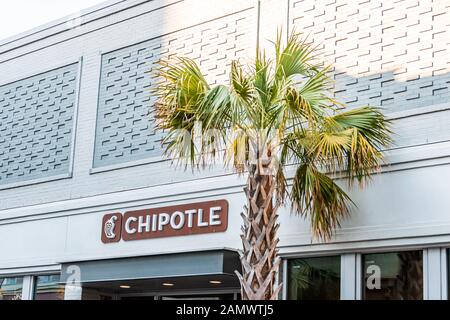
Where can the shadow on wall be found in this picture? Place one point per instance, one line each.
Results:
(393, 90)
(125, 121)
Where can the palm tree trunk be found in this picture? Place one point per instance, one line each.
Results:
(260, 263)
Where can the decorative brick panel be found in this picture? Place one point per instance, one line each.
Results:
(36, 125)
(125, 122)
(392, 54)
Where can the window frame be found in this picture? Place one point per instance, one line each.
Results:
(16, 277)
(34, 282)
(436, 269)
(285, 268)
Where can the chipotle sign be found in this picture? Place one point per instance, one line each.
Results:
(196, 218)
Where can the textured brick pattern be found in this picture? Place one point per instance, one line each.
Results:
(393, 54)
(125, 130)
(36, 123)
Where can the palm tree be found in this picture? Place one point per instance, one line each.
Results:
(274, 115)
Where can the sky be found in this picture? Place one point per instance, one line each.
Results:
(17, 16)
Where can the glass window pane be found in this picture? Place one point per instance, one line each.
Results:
(48, 288)
(11, 288)
(314, 278)
(393, 276)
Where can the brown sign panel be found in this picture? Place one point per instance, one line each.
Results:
(181, 220)
(111, 227)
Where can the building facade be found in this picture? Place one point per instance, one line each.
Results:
(87, 198)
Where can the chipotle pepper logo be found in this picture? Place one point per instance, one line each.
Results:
(111, 227)
(196, 218)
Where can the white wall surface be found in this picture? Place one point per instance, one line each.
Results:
(49, 223)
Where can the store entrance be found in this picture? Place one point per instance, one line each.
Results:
(189, 275)
(210, 287)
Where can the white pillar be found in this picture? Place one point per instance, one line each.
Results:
(444, 272)
(433, 273)
(348, 276)
(28, 288)
(285, 271)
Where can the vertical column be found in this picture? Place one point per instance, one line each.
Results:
(433, 284)
(359, 278)
(444, 272)
(28, 288)
(285, 279)
(348, 276)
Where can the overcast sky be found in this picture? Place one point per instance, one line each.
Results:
(17, 16)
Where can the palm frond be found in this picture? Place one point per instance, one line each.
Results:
(315, 91)
(304, 102)
(185, 99)
(295, 58)
(330, 149)
(282, 185)
(369, 121)
(213, 109)
(182, 81)
(262, 86)
(317, 196)
(241, 83)
(179, 93)
(369, 134)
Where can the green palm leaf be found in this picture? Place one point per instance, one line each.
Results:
(317, 196)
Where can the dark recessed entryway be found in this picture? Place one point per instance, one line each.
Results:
(200, 275)
(199, 287)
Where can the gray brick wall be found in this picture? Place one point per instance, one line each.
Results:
(392, 54)
(36, 125)
(170, 22)
(125, 121)
(209, 23)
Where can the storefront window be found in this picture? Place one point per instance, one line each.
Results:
(11, 288)
(314, 278)
(393, 276)
(48, 288)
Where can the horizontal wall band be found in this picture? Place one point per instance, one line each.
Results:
(440, 155)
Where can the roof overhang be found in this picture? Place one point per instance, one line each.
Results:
(159, 266)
